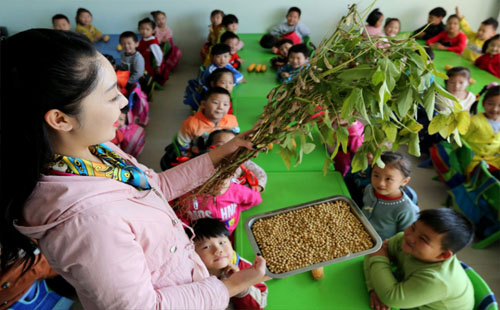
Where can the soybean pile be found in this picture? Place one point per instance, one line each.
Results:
(310, 235)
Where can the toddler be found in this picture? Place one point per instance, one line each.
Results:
(452, 39)
(436, 26)
(84, 25)
(490, 61)
(131, 60)
(211, 241)
(292, 24)
(232, 40)
(392, 27)
(61, 22)
(214, 30)
(428, 275)
(456, 84)
(487, 29)
(230, 23)
(298, 56)
(149, 47)
(224, 78)
(220, 55)
(385, 204)
(211, 116)
(483, 135)
(162, 32)
(374, 24)
(283, 47)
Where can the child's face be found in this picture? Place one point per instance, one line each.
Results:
(216, 253)
(434, 20)
(392, 29)
(216, 107)
(387, 181)
(493, 47)
(232, 27)
(61, 24)
(146, 30)
(296, 60)
(221, 60)
(121, 120)
(423, 243)
(160, 20)
(453, 25)
(129, 45)
(284, 49)
(292, 18)
(85, 18)
(492, 108)
(222, 138)
(226, 81)
(233, 44)
(216, 19)
(457, 84)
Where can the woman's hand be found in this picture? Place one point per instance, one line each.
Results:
(241, 280)
(241, 140)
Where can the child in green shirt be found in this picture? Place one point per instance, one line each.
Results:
(429, 275)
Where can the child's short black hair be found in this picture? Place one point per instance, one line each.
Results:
(220, 48)
(215, 90)
(294, 9)
(492, 92)
(283, 41)
(216, 75)
(487, 42)
(453, 16)
(59, 16)
(156, 13)
(373, 17)
(457, 229)
(229, 19)
(438, 12)
(491, 22)
(268, 41)
(465, 72)
(129, 34)
(147, 20)
(228, 35)
(390, 20)
(398, 161)
(217, 12)
(206, 228)
(299, 48)
(80, 11)
(204, 146)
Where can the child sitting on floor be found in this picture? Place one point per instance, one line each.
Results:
(374, 24)
(385, 204)
(61, 22)
(298, 56)
(392, 27)
(428, 275)
(212, 116)
(85, 27)
(220, 55)
(436, 26)
(162, 31)
(456, 84)
(283, 47)
(211, 241)
(232, 40)
(131, 59)
(490, 61)
(452, 39)
(292, 24)
(487, 29)
(149, 47)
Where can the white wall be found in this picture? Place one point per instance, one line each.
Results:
(189, 18)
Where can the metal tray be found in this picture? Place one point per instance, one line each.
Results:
(354, 209)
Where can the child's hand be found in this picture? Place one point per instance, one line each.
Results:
(375, 302)
(230, 270)
(275, 50)
(440, 46)
(459, 14)
(257, 188)
(383, 251)
(241, 60)
(285, 75)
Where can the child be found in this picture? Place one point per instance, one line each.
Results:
(212, 116)
(283, 48)
(436, 26)
(232, 40)
(483, 135)
(224, 78)
(392, 27)
(162, 32)
(149, 47)
(84, 25)
(298, 56)
(211, 241)
(456, 84)
(374, 20)
(428, 275)
(61, 22)
(220, 55)
(452, 39)
(214, 31)
(490, 61)
(292, 24)
(342, 161)
(385, 204)
(131, 60)
(230, 23)
(487, 29)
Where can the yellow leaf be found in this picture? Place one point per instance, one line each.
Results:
(463, 119)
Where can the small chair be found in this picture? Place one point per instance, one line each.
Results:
(484, 299)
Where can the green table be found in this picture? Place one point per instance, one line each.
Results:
(343, 284)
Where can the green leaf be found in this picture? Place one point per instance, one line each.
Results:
(286, 156)
(390, 130)
(359, 161)
(308, 147)
(360, 72)
(350, 103)
(436, 124)
(463, 119)
(342, 137)
(378, 77)
(413, 146)
(383, 97)
(405, 101)
(326, 165)
(430, 101)
(443, 92)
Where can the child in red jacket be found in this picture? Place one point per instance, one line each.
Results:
(452, 39)
(490, 61)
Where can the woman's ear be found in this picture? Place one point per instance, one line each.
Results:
(58, 120)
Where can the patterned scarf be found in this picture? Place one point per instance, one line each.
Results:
(114, 167)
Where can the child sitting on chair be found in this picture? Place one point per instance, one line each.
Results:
(230, 23)
(85, 27)
(392, 27)
(292, 24)
(428, 275)
(232, 40)
(283, 47)
(211, 241)
(456, 84)
(224, 78)
(162, 31)
(436, 26)
(452, 39)
(220, 55)
(490, 61)
(131, 59)
(298, 56)
(61, 22)
(149, 47)
(374, 22)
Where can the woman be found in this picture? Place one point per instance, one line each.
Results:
(101, 218)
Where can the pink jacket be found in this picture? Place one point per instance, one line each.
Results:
(122, 248)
